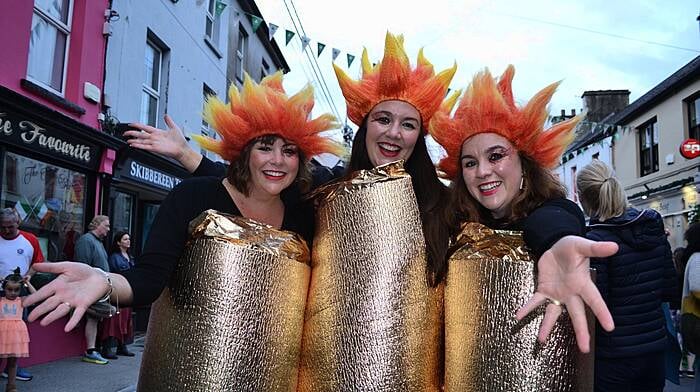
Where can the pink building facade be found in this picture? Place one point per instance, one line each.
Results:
(53, 154)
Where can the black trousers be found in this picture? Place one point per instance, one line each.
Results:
(645, 373)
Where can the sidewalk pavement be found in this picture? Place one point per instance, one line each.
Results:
(71, 374)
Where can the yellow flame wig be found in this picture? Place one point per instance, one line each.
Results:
(265, 109)
(488, 106)
(393, 79)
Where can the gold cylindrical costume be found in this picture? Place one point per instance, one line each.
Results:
(490, 276)
(372, 322)
(232, 315)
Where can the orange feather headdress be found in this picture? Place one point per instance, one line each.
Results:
(488, 106)
(393, 79)
(265, 109)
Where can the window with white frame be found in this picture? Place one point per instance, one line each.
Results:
(241, 53)
(213, 24)
(265, 69)
(648, 147)
(48, 43)
(694, 117)
(150, 95)
(206, 129)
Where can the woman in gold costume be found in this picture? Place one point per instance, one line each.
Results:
(268, 137)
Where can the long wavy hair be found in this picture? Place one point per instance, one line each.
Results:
(539, 185)
(431, 194)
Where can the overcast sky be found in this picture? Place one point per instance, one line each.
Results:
(589, 45)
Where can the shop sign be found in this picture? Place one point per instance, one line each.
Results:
(690, 149)
(145, 174)
(30, 135)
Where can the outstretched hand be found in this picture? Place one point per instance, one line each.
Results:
(171, 143)
(563, 277)
(76, 288)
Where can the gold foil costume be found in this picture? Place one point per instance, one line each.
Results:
(232, 315)
(490, 276)
(372, 321)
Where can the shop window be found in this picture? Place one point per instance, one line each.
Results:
(50, 201)
(649, 147)
(48, 43)
(694, 117)
(122, 211)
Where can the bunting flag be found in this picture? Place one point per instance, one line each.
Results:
(304, 41)
(256, 21)
(351, 58)
(320, 48)
(290, 35)
(273, 29)
(219, 7)
(336, 52)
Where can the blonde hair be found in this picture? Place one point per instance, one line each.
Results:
(600, 192)
(96, 221)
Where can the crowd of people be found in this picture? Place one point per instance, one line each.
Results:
(498, 160)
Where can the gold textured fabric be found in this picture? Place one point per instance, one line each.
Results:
(232, 316)
(372, 322)
(490, 276)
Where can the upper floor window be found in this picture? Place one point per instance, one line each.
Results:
(213, 24)
(265, 69)
(150, 95)
(206, 129)
(694, 117)
(241, 53)
(648, 147)
(48, 43)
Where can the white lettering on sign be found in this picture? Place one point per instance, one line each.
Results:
(152, 176)
(34, 134)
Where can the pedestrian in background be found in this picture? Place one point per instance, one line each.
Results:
(118, 330)
(14, 336)
(18, 248)
(690, 306)
(90, 250)
(634, 283)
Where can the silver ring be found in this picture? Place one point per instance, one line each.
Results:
(554, 302)
(68, 303)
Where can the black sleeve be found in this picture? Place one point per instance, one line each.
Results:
(550, 222)
(208, 168)
(165, 243)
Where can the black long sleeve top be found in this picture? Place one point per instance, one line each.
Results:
(168, 235)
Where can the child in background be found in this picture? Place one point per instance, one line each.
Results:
(14, 336)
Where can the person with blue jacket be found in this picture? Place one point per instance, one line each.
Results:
(634, 283)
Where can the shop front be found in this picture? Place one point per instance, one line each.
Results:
(49, 165)
(139, 184)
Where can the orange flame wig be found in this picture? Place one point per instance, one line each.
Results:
(488, 106)
(265, 109)
(393, 79)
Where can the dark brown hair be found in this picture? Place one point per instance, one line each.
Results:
(539, 185)
(431, 195)
(239, 170)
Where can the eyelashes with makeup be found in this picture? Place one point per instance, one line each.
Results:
(493, 157)
(288, 151)
(387, 121)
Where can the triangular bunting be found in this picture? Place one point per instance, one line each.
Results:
(336, 52)
(320, 48)
(304, 41)
(255, 21)
(289, 36)
(219, 7)
(351, 58)
(273, 29)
